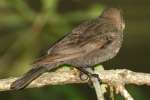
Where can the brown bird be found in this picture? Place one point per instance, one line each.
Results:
(92, 42)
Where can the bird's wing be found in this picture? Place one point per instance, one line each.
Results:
(67, 51)
(77, 36)
(76, 44)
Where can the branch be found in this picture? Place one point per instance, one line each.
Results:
(98, 89)
(121, 89)
(116, 78)
(59, 77)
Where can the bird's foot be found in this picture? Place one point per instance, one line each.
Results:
(88, 73)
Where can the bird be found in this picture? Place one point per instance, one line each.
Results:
(91, 42)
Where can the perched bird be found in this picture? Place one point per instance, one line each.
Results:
(92, 42)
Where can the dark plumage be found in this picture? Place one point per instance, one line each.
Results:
(92, 42)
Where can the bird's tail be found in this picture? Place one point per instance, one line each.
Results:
(28, 78)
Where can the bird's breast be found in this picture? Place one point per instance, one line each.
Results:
(99, 55)
(103, 54)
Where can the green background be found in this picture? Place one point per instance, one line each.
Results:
(29, 27)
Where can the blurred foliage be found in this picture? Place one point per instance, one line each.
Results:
(29, 27)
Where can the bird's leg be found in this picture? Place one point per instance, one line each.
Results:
(89, 72)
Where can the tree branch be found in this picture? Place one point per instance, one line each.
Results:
(59, 77)
(98, 89)
(121, 89)
(116, 78)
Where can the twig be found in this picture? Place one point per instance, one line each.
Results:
(98, 90)
(124, 76)
(96, 81)
(124, 92)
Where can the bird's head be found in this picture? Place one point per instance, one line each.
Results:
(115, 15)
